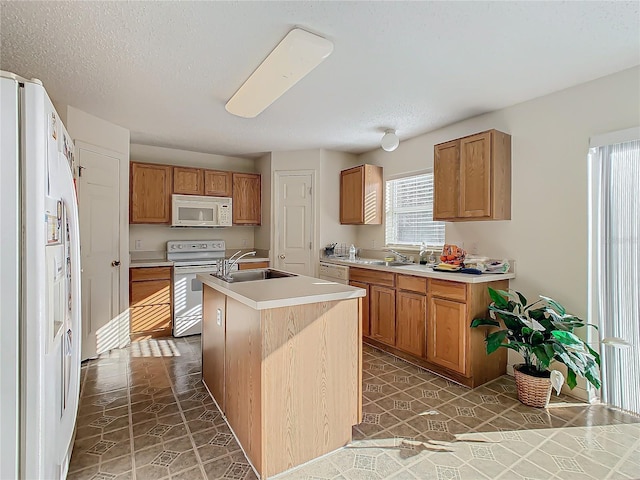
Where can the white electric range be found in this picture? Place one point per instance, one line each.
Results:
(189, 258)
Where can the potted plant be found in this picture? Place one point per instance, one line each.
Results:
(541, 332)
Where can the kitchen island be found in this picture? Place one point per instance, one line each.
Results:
(282, 359)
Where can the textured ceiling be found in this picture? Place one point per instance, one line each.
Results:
(164, 70)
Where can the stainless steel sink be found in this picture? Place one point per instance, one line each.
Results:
(252, 275)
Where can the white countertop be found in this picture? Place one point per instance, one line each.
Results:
(150, 262)
(424, 271)
(282, 292)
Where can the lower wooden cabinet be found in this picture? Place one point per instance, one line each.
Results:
(150, 306)
(447, 334)
(383, 314)
(411, 315)
(427, 322)
(366, 326)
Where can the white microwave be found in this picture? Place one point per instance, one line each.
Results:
(199, 211)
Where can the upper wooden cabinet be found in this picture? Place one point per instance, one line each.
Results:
(246, 199)
(217, 183)
(361, 195)
(188, 181)
(150, 193)
(472, 178)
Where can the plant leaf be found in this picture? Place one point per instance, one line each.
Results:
(522, 298)
(571, 378)
(495, 339)
(559, 308)
(567, 338)
(483, 321)
(594, 353)
(499, 300)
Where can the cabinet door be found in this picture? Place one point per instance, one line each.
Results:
(213, 343)
(366, 327)
(383, 314)
(447, 334)
(446, 171)
(150, 193)
(188, 181)
(246, 199)
(153, 320)
(411, 318)
(351, 196)
(475, 176)
(217, 183)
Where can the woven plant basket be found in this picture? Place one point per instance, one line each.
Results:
(532, 391)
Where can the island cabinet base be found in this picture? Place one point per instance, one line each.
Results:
(292, 387)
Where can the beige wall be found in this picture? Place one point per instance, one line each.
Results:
(547, 235)
(155, 237)
(262, 234)
(331, 164)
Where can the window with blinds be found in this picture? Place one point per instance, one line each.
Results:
(409, 212)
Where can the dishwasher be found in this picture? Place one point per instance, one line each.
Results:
(334, 273)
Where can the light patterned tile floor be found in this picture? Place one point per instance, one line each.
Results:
(144, 414)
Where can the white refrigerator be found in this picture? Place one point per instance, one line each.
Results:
(40, 285)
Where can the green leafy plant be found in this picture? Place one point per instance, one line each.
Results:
(541, 332)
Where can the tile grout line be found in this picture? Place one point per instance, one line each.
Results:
(131, 442)
(184, 419)
(630, 451)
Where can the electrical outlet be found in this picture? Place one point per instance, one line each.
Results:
(373, 243)
(472, 248)
(244, 242)
(138, 244)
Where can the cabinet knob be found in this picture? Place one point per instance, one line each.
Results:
(115, 263)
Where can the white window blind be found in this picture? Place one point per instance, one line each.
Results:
(409, 212)
(618, 269)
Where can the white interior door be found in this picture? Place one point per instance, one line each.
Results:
(294, 222)
(99, 209)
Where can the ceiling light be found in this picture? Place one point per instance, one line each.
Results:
(390, 141)
(296, 55)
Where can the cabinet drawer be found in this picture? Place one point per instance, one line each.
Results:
(150, 273)
(413, 284)
(445, 289)
(375, 277)
(153, 292)
(150, 318)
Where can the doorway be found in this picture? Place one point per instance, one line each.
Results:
(99, 212)
(294, 214)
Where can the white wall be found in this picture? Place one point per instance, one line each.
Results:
(547, 234)
(86, 128)
(155, 237)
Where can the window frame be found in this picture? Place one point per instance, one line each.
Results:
(412, 246)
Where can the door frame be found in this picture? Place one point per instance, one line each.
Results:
(123, 224)
(275, 230)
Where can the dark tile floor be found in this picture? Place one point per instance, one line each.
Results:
(144, 414)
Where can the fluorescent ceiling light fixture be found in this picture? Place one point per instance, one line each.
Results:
(390, 141)
(295, 56)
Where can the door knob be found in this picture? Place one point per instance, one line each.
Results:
(282, 257)
(115, 263)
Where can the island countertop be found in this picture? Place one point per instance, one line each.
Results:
(282, 292)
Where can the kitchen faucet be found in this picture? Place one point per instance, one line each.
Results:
(403, 258)
(228, 264)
